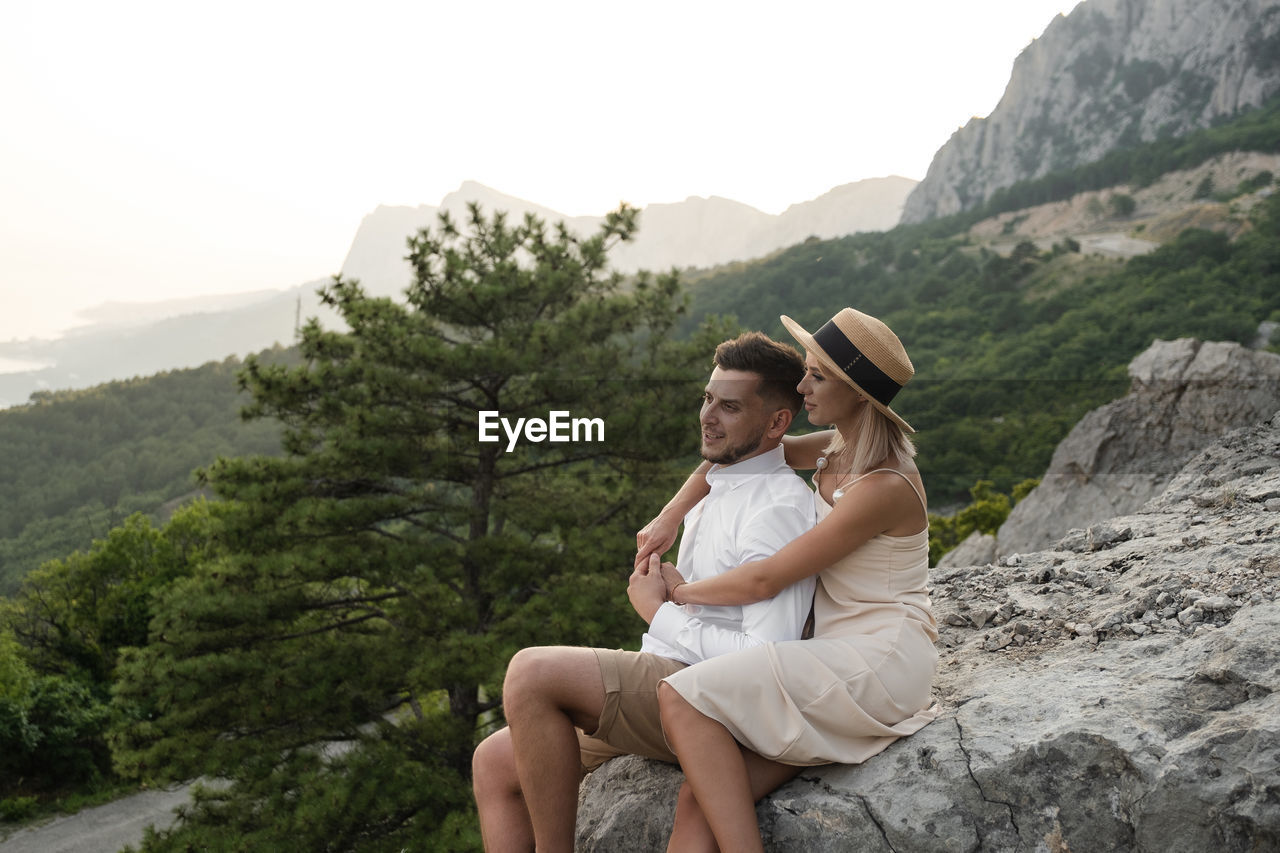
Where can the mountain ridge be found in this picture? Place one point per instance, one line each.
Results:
(696, 232)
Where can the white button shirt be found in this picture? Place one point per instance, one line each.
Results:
(755, 507)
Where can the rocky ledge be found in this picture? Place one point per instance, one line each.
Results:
(1117, 691)
(1185, 394)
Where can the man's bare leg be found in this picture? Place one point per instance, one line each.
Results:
(548, 691)
(504, 817)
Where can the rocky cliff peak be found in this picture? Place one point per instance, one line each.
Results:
(1113, 73)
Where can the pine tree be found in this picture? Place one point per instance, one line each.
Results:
(380, 574)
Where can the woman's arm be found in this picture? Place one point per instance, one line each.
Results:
(872, 508)
(802, 451)
(659, 535)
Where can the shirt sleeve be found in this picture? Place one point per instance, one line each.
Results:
(772, 620)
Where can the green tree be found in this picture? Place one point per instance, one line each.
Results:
(987, 511)
(72, 616)
(52, 735)
(1122, 205)
(51, 732)
(60, 638)
(380, 574)
(15, 673)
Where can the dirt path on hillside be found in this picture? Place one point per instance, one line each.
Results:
(101, 829)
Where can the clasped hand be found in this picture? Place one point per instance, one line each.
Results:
(651, 584)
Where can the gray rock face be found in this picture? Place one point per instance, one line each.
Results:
(1120, 691)
(1184, 395)
(976, 549)
(1111, 74)
(1266, 333)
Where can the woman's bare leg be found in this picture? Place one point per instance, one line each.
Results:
(692, 833)
(504, 818)
(725, 780)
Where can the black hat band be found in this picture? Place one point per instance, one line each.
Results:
(856, 366)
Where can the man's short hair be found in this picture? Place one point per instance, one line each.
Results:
(778, 365)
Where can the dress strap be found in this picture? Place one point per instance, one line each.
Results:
(923, 505)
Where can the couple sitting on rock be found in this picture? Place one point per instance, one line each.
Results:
(723, 684)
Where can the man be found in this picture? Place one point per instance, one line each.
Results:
(526, 776)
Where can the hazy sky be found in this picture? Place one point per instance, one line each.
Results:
(154, 150)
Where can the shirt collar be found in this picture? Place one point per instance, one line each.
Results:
(737, 473)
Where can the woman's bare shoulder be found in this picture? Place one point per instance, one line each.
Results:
(891, 495)
(897, 476)
(901, 486)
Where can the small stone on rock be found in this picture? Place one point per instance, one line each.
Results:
(1215, 603)
(1077, 540)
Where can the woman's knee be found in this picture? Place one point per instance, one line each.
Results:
(671, 705)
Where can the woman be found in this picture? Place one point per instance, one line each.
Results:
(864, 679)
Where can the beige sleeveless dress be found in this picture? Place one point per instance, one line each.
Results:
(861, 683)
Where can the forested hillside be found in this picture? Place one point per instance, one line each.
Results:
(1011, 351)
(74, 464)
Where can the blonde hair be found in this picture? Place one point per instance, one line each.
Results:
(876, 437)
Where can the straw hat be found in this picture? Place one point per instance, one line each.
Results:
(863, 352)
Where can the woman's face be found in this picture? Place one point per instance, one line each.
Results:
(828, 399)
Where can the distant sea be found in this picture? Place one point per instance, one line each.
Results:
(13, 365)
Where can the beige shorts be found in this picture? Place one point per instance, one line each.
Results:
(630, 723)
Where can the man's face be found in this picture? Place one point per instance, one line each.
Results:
(734, 418)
